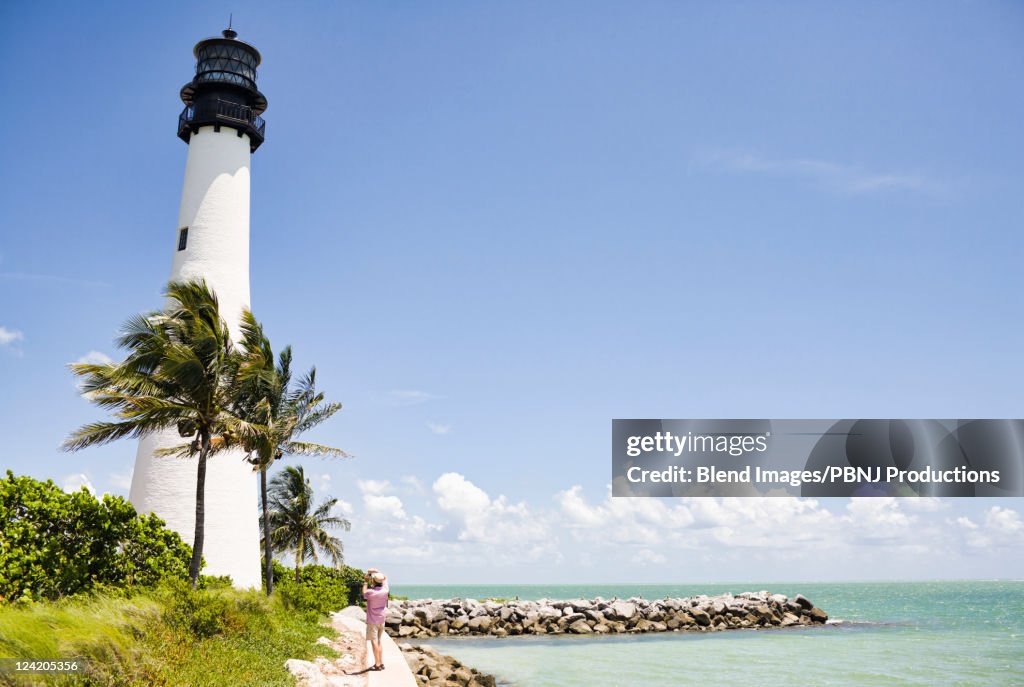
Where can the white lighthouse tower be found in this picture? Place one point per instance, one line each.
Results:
(222, 126)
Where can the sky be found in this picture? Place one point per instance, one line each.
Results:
(494, 227)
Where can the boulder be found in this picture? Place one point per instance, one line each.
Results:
(621, 610)
(789, 619)
(305, 672)
(549, 612)
(643, 625)
(570, 619)
(356, 612)
(480, 623)
(580, 627)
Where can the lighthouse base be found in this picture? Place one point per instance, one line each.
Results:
(166, 486)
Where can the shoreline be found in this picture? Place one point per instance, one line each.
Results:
(431, 667)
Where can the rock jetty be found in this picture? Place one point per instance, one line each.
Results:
(423, 618)
(434, 669)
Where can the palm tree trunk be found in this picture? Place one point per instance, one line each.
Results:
(268, 554)
(200, 534)
(298, 558)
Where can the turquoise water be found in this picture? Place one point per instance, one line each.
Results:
(899, 634)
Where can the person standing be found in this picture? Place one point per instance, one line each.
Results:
(375, 591)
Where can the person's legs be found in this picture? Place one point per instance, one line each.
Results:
(373, 633)
(378, 653)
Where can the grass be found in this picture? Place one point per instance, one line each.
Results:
(171, 636)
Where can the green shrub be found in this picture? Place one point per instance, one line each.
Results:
(215, 582)
(54, 544)
(320, 589)
(199, 612)
(128, 642)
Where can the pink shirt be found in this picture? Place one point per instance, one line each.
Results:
(376, 604)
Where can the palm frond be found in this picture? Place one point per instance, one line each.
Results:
(306, 448)
(99, 433)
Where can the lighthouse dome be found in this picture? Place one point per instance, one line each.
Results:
(226, 60)
(223, 91)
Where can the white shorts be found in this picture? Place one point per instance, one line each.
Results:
(374, 632)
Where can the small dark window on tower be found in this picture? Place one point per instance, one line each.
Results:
(183, 238)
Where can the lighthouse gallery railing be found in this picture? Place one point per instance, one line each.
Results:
(224, 110)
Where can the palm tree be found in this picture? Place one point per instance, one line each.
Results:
(179, 374)
(267, 399)
(296, 525)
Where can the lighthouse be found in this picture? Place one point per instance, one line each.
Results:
(222, 126)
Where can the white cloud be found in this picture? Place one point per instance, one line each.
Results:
(1002, 527)
(409, 397)
(648, 557)
(439, 429)
(479, 518)
(966, 523)
(413, 484)
(457, 494)
(457, 530)
(373, 486)
(925, 504)
(1004, 521)
(73, 483)
(95, 358)
(878, 518)
(384, 506)
(622, 520)
(709, 522)
(343, 508)
(9, 336)
(843, 178)
(323, 482)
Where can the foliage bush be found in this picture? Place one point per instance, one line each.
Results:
(320, 589)
(201, 613)
(54, 544)
(216, 609)
(151, 638)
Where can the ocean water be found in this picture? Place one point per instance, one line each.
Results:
(895, 634)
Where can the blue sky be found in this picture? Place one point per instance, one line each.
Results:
(493, 227)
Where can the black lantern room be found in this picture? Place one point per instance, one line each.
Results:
(223, 92)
